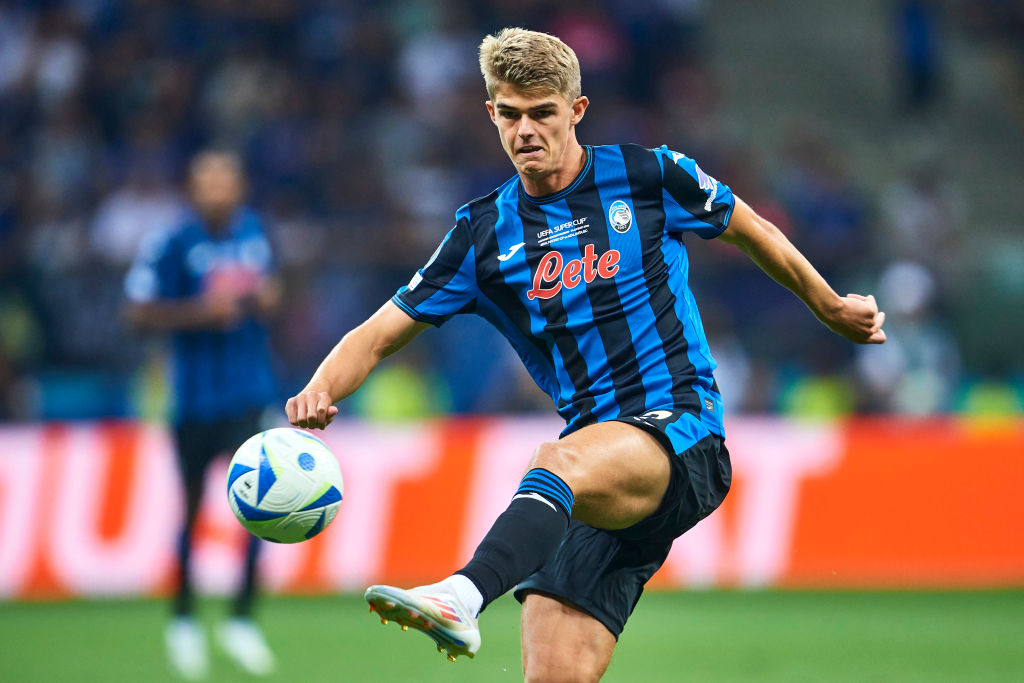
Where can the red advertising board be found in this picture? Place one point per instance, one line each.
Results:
(92, 508)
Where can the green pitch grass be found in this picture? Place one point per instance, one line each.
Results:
(700, 636)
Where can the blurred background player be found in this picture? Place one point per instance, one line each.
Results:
(209, 283)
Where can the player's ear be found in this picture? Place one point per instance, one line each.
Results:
(579, 107)
(490, 110)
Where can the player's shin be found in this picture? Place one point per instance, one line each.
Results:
(523, 537)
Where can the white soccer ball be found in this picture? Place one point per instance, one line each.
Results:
(284, 485)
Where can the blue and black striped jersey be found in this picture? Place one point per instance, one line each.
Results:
(589, 284)
(216, 372)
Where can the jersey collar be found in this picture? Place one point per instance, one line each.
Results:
(561, 194)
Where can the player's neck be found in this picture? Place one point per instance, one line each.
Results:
(216, 222)
(574, 159)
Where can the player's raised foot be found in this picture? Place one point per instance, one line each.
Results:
(435, 610)
(243, 641)
(186, 648)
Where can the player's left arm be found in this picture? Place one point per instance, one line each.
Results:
(853, 316)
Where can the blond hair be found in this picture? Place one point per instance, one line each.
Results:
(534, 62)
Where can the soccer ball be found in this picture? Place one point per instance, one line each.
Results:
(284, 485)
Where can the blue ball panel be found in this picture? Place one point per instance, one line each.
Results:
(237, 470)
(331, 495)
(255, 514)
(315, 529)
(267, 476)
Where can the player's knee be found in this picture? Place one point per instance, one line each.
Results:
(562, 460)
(560, 670)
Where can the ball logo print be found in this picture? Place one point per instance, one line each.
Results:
(284, 485)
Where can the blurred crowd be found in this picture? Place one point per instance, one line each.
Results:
(362, 127)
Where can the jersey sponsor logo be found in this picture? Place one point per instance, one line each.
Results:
(619, 216)
(511, 252)
(553, 272)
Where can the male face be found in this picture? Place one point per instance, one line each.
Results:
(536, 130)
(216, 185)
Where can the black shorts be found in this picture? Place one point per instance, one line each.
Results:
(200, 442)
(603, 572)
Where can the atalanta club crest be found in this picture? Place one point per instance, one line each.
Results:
(619, 216)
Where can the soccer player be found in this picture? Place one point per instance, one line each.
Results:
(578, 260)
(209, 283)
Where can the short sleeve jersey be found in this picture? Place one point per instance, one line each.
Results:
(215, 373)
(589, 284)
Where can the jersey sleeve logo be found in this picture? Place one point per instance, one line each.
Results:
(704, 181)
(619, 216)
(708, 184)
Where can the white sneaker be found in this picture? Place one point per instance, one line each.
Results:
(186, 648)
(436, 611)
(243, 641)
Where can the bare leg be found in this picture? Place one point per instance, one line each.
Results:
(617, 472)
(561, 644)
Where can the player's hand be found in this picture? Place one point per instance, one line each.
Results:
(267, 298)
(311, 409)
(858, 319)
(222, 310)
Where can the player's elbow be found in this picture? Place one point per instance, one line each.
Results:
(747, 230)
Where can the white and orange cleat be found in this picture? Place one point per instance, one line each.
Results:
(436, 611)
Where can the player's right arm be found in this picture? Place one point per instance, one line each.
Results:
(446, 285)
(349, 363)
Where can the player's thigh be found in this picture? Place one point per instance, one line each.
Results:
(618, 473)
(193, 439)
(562, 643)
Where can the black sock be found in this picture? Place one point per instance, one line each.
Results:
(523, 537)
(183, 595)
(247, 592)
